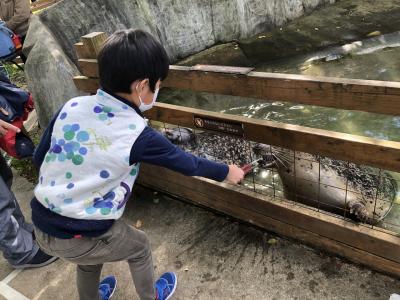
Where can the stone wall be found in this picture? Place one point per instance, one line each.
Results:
(184, 27)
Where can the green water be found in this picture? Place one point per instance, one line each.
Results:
(371, 62)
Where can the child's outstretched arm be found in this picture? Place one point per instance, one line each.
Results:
(153, 148)
(235, 174)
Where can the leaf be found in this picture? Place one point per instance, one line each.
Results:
(374, 33)
(138, 224)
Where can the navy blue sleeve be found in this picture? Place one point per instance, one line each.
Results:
(45, 142)
(153, 148)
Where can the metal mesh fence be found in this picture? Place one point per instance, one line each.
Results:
(356, 193)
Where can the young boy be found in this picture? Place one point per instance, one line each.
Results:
(89, 158)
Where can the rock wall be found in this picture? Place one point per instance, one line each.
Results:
(49, 71)
(183, 26)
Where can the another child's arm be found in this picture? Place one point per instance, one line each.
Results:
(151, 147)
(5, 127)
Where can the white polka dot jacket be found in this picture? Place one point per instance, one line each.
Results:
(89, 159)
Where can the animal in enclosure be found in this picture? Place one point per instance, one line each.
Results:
(359, 192)
(223, 148)
(344, 188)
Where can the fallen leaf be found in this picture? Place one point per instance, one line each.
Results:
(272, 241)
(374, 33)
(138, 224)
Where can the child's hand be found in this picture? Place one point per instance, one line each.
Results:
(4, 127)
(235, 174)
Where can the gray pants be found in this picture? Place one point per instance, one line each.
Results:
(16, 240)
(121, 242)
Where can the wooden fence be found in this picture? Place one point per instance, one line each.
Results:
(378, 249)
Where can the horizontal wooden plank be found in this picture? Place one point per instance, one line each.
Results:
(86, 85)
(94, 42)
(82, 52)
(358, 149)
(353, 94)
(361, 237)
(88, 66)
(359, 244)
(353, 148)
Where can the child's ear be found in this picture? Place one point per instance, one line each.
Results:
(146, 85)
(133, 87)
(141, 86)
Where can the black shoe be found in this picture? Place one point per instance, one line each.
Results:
(41, 259)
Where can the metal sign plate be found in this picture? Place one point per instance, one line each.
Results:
(234, 128)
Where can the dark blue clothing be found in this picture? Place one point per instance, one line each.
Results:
(63, 227)
(3, 74)
(12, 100)
(150, 147)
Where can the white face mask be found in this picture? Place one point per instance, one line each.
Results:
(143, 106)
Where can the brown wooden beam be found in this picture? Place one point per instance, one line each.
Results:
(88, 66)
(360, 244)
(86, 85)
(353, 94)
(94, 42)
(358, 149)
(82, 52)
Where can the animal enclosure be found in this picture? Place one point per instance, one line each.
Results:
(328, 189)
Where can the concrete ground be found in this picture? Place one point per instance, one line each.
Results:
(214, 258)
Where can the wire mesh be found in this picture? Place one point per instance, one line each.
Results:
(356, 193)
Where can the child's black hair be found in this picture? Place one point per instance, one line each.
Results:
(130, 55)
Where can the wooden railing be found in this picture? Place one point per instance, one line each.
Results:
(378, 249)
(364, 95)
(353, 94)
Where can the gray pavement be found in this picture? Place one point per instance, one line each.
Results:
(214, 257)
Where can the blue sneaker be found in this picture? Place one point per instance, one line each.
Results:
(107, 287)
(166, 286)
